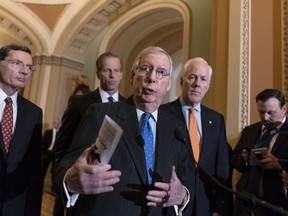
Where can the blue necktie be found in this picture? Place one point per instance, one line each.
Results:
(110, 99)
(147, 134)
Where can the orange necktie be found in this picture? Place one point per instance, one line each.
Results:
(193, 133)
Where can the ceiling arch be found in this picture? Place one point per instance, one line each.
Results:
(151, 23)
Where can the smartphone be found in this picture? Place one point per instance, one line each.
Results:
(258, 155)
(284, 164)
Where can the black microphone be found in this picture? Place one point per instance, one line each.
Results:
(250, 198)
(180, 135)
(139, 140)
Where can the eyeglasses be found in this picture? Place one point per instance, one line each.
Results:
(146, 69)
(19, 64)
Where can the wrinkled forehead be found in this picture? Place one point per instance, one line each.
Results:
(198, 68)
(20, 55)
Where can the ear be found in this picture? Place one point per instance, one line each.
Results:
(132, 77)
(284, 109)
(98, 76)
(169, 85)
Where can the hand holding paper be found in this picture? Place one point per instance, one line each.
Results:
(106, 142)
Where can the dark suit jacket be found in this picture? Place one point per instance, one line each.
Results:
(77, 106)
(214, 158)
(46, 140)
(128, 197)
(21, 186)
(272, 181)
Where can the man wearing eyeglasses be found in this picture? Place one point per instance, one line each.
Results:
(123, 186)
(20, 137)
(109, 72)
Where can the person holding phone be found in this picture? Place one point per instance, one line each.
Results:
(263, 178)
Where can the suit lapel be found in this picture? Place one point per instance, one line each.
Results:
(95, 96)
(130, 127)
(162, 142)
(282, 136)
(207, 128)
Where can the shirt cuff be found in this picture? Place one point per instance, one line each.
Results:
(71, 198)
(179, 209)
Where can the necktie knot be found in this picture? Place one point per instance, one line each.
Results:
(192, 110)
(268, 131)
(110, 99)
(8, 100)
(146, 116)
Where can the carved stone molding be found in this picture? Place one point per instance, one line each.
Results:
(15, 30)
(102, 17)
(57, 61)
(245, 62)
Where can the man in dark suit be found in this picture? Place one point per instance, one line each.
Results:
(20, 180)
(263, 178)
(130, 192)
(109, 72)
(48, 142)
(213, 158)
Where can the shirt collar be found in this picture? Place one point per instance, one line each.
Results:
(140, 112)
(104, 95)
(278, 126)
(3, 96)
(185, 106)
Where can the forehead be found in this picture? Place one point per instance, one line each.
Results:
(20, 55)
(156, 60)
(270, 104)
(110, 60)
(198, 68)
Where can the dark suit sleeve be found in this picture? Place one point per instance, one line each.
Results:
(46, 141)
(85, 136)
(222, 170)
(70, 122)
(33, 158)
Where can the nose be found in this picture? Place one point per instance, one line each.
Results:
(266, 116)
(152, 76)
(111, 74)
(196, 81)
(24, 70)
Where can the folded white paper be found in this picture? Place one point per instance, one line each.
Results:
(107, 140)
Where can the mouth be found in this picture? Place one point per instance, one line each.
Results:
(22, 79)
(195, 92)
(148, 91)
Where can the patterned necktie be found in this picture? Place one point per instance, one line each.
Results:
(7, 123)
(193, 133)
(110, 99)
(147, 134)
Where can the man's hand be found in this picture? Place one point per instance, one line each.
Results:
(245, 155)
(269, 162)
(84, 178)
(169, 194)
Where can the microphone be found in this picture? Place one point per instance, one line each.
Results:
(180, 135)
(139, 140)
(250, 198)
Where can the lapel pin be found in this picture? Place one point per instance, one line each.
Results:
(210, 122)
